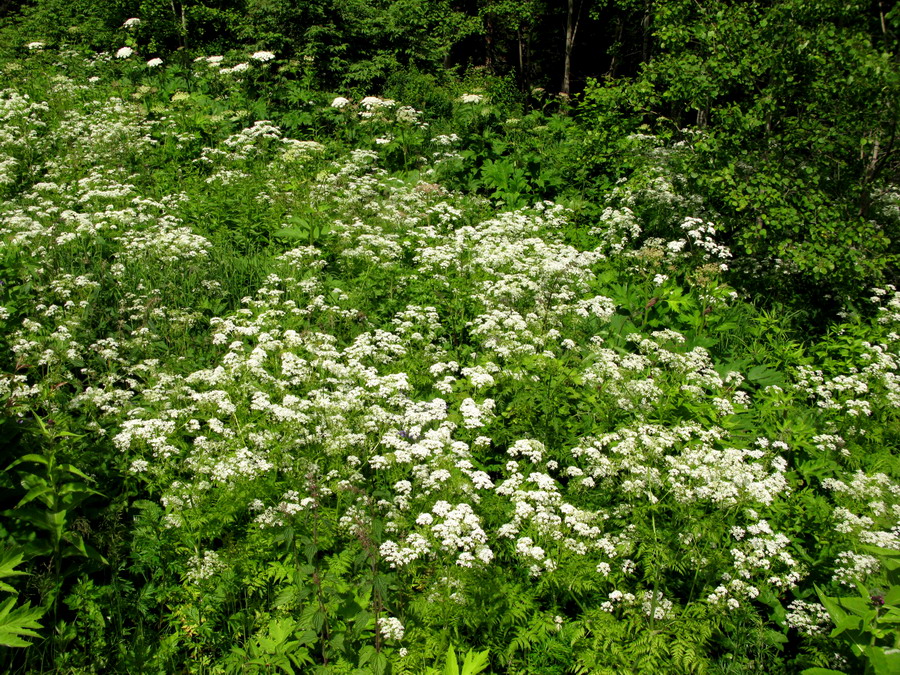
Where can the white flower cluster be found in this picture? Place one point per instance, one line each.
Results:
(303, 368)
(390, 628)
(853, 567)
(808, 618)
(205, 566)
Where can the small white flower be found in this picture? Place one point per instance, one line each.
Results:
(237, 68)
(340, 102)
(133, 22)
(35, 46)
(153, 63)
(139, 466)
(471, 98)
(262, 56)
(390, 628)
(124, 53)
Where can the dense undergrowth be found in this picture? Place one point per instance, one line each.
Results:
(301, 382)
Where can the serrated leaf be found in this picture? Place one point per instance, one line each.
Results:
(365, 655)
(282, 629)
(18, 622)
(318, 620)
(475, 662)
(8, 561)
(764, 376)
(451, 666)
(379, 663)
(291, 233)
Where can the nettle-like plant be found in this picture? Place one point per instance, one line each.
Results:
(18, 621)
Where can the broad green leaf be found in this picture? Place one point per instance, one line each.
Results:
(846, 623)
(831, 604)
(76, 471)
(38, 492)
(291, 233)
(859, 606)
(366, 654)
(883, 661)
(451, 666)
(475, 662)
(764, 376)
(892, 597)
(37, 459)
(300, 658)
(379, 663)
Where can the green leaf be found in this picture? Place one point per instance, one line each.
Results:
(475, 662)
(37, 459)
(37, 492)
(366, 654)
(19, 622)
(9, 560)
(859, 606)
(883, 661)
(764, 376)
(291, 233)
(451, 666)
(76, 471)
(831, 604)
(379, 663)
(846, 623)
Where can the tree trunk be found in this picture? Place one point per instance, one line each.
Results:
(645, 29)
(488, 43)
(571, 29)
(521, 60)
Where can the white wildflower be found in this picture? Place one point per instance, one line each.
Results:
(391, 628)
